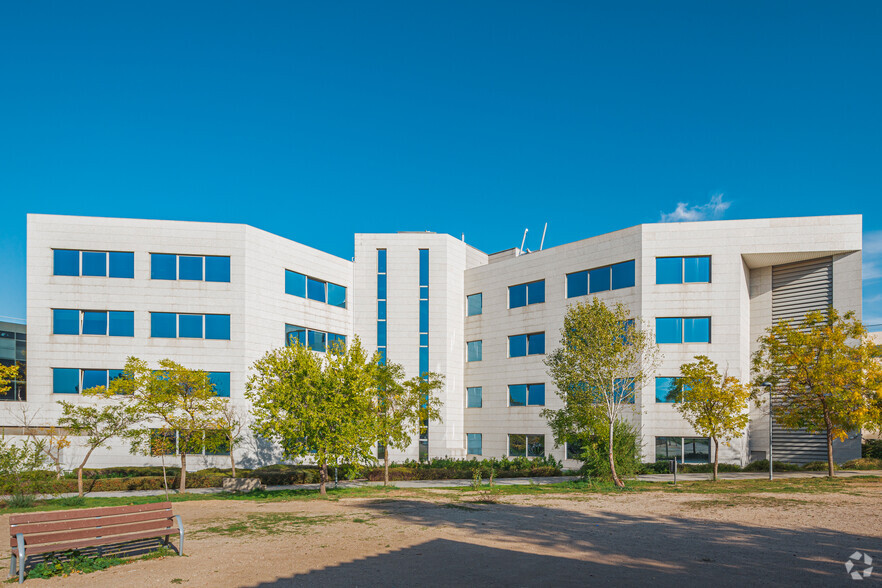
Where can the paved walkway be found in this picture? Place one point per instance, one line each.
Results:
(498, 481)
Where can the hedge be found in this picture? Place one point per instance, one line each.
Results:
(409, 473)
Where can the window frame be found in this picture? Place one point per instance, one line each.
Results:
(528, 293)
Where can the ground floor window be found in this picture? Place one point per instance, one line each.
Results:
(473, 443)
(683, 449)
(575, 448)
(381, 451)
(526, 445)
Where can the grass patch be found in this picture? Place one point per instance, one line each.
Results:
(271, 524)
(73, 562)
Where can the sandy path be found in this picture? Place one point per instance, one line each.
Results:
(431, 539)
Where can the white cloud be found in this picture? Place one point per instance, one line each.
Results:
(871, 270)
(714, 209)
(872, 243)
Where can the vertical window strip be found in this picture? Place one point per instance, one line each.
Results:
(424, 341)
(381, 304)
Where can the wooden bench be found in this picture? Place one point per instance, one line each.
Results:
(44, 532)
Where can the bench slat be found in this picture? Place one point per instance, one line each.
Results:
(63, 515)
(109, 532)
(71, 524)
(37, 549)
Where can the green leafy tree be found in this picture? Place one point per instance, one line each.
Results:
(605, 354)
(111, 414)
(21, 466)
(183, 401)
(824, 375)
(714, 404)
(317, 406)
(404, 407)
(231, 426)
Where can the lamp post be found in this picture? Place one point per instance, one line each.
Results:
(768, 385)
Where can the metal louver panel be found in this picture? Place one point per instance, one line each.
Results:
(799, 288)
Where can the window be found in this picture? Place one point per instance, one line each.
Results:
(526, 395)
(530, 344)
(121, 323)
(295, 284)
(575, 448)
(474, 304)
(682, 330)
(315, 289)
(526, 445)
(169, 325)
(65, 381)
(94, 379)
(682, 270)
(190, 326)
(623, 275)
(336, 342)
(303, 286)
(601, 279)
(199, 268)
(164, 325)
(381, 451)
(221, 383)
(524, 294)
(683, 449)
(623, 390)
(474, 350)
(666, 389)
(473, 443)
(336, 295)
(577, 284)
(315, 340)
(65, 322)
(114, 264)
(93, 322)
(473, 397)
(424, 314)
(217, 326)
(381, 305)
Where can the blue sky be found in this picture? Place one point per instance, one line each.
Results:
(317, 120)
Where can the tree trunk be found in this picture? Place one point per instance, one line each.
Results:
(183, 487)
(830, 471)
(233, 462)
(385, 465)
(324, 479)
(612, 459)
(80, 472)
(716, 456)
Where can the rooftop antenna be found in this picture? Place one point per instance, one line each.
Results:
(524, 240)
(541, 243)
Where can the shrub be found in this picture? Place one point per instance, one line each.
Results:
(872, 448)
(762, 465)
(818, 466)
(864, 463)
(626, 451)
(20, 500)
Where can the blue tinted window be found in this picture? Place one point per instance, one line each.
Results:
(517, 346)
(668, 270)
(696, 269)
(424, 267)
(424, 339)
(190, 326)
(517, 445)
(668, 330)
(121, 323)
(666, 389)
(623, 275)
(473, 443)
(475, 304)
(382, 352)
(473, 397)
(221, 383)
(163, 266)
(577, 284)
(623, 390)
(65, 322)
(424, 292)
(337, 342)
(217, 269)
(381, 333)
(315, 289)
(295, 284)
(424, 316)
(94, 323)
(381, 309)
(94, 378)
(536, 344)
(536, 292)
(94, 263)
(381, 261)
(599, 280)
(317, 340)
(189, 267)
(381, 287)
(517, 296)
(336, 295)
(164, 324)
(294, 335)
(696, 330)
(474, 350)
(121, 264)
(217, 326)
(536, 395)
(114, 374)
(66, 262)
(517, 395)
(65, 381)
(424, 360)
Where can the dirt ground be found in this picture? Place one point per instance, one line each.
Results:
(442, 538)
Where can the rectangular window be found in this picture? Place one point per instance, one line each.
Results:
(473, 443)
(163, 266)
(295, 336)
(696, 269)
(381, 451)
(190, 267)
(526, 395)
(336, 295)
(94, 322)
(424, 267)
(163, 442)
(577, 284)
(623, 275)
(536, 292)
(95, 263)
(66, 262)
(666, 389)
(315, 289)
(599, 279)
(121, 323)
(530, 344)
(623, 390)
(217, 326)
(295, 284)
(424, 361)
(336, 342)
(424, 316)
(190, 326)
(65, 321)
(474, 350)
(668, 330)
(163, 325)
(680, 270)
(217, 268)
(381, 310)
(526, 445)
(94, 379)
(381, 286)
(524, 294)
(65, 381)
(473, 397)
(121, 264)
(381, 306)
(683, 330)
(474, 304)
(683, 449)
(221, 383)
(696, 330)
(318, 341)
(381, 333)
(381, 261)
(575, 449)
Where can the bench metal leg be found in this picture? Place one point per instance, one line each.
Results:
(12, 566)
(19, 538)
(181, 531)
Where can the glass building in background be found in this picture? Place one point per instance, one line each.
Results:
(13, 351)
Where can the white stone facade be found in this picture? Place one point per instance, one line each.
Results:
(737, 299)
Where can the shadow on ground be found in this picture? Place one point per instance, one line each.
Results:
(583, 548)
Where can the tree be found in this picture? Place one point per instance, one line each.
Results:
(714, 404)
(112, 414)
(824, 375)
(8, 374)
(403, 407)
(604, 356)
(314, 405)
(231, 425)
(50, 439)
(183, 400)
(20, 466)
